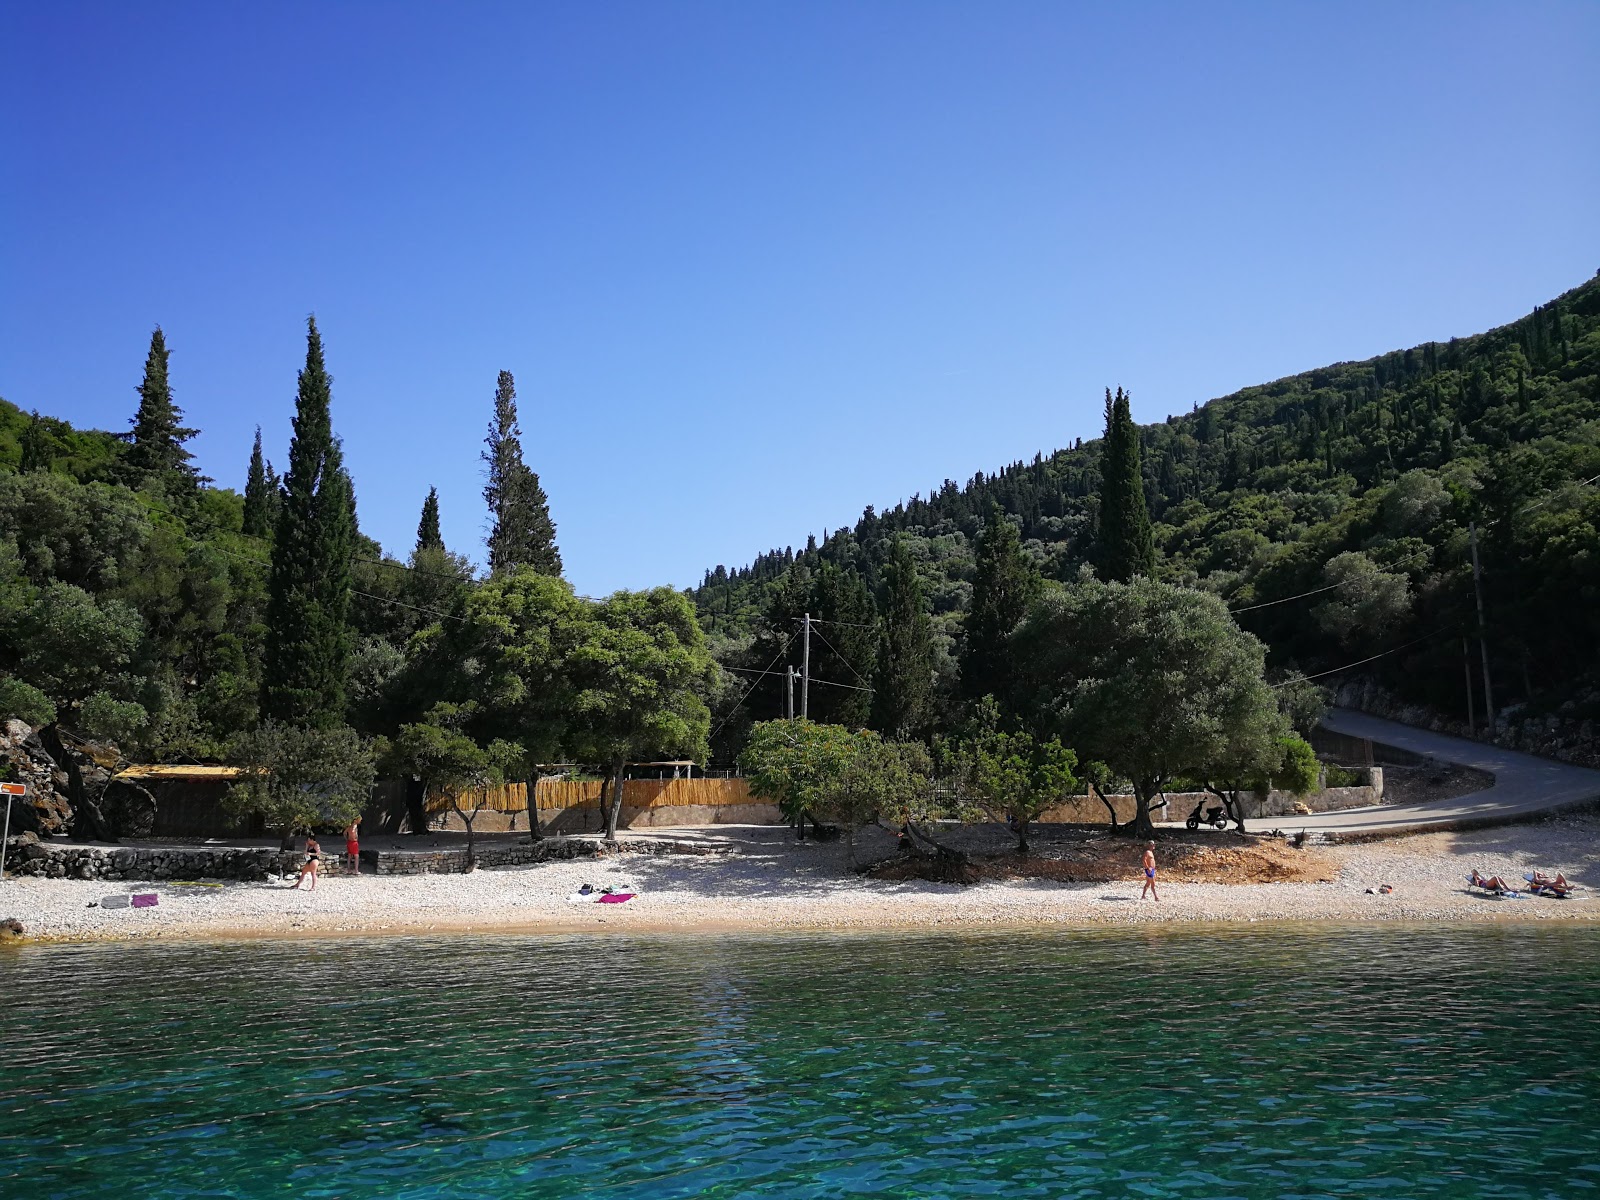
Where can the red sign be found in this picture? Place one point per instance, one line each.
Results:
(13, 789)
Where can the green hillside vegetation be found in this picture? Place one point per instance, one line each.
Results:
(188, 622)
(1330, 510)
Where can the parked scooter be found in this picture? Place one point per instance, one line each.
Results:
(1216, 817)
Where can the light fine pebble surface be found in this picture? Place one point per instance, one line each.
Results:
(771, 882)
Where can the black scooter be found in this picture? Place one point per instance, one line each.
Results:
(1217, 817)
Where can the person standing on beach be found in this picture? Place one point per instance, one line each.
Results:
(352, 845)
(313, 864)
(1150, 872)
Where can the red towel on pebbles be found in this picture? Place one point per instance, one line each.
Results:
(617, 898)
(145, 900)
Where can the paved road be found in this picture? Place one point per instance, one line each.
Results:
(1522, 782)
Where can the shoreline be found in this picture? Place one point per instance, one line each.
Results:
(772, 884)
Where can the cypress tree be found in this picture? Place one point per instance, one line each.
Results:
(521, 532)
(156, 450)
(1003, 584)
(903, 688)
(260, 494)
(428, 535)
(308, 640)
(1126, 547)
(844, 646)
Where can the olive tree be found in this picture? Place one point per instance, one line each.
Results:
(299, 778)
(1153, 680)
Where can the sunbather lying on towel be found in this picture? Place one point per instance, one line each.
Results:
(1540, 882)
(1491, 884)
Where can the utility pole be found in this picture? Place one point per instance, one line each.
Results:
(788, 692)
(805, 671)
(1466, 666)
(1483, 635)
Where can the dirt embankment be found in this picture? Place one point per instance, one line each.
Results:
(1189, 858)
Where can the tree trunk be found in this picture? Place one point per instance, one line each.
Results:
(472, 856)
(614, 809)
(1021, 832)
(1141, 826)
(416, 812)
(1110, 811)
(535, 834)
(948, 865)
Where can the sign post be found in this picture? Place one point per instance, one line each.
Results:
(8, 790)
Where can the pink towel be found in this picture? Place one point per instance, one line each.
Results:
(145, 900)
(616, 898)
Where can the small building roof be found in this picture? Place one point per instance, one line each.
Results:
(158, 771)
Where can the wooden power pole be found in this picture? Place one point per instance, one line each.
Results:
(1483, 633)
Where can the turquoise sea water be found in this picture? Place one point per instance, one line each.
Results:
(1284, 1062)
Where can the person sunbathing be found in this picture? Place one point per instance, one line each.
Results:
(1540, 882)
(1492, 884)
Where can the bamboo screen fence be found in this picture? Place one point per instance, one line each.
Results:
(553, 794)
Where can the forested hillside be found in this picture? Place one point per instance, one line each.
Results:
(1331, 510)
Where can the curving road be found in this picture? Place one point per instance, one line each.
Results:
(1523, 783)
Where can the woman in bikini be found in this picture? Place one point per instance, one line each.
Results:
(312, 865)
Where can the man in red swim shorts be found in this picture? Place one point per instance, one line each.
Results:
(352, 846)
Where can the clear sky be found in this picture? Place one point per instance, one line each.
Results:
(757, 265)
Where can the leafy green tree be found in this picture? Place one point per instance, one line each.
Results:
(260, 494)
(428, 535)
(1151, 679)
(903, 688)
(797, 765)
(1366, 602)
(641, 670)
(156, 450)
(25, 702)
(39, 445)
(450, 764)
(1126, 547)
(521, 532)
(509, 653)
(308, 642)
(1016, 777)
(1003, 585)
(70, 645)
(299, 778)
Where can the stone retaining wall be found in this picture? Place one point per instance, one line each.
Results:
(454, 862)
(126, 862)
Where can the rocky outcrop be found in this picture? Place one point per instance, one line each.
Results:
(70, 787)
(45, 811)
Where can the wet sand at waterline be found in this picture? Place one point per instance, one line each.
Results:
(768, 881)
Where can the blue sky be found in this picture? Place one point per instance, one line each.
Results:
(756, 266)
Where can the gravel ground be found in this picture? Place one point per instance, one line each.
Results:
(770, 882)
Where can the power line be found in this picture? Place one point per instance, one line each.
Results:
(1402, 561)
(1335, 670)
(751, 688)
(846, 662)
(782, 674)
(413, 607)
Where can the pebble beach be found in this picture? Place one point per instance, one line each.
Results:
(766, 881)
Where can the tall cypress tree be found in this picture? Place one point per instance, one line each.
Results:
(1003, 584)
(844, 646)
(1126, 547)
(308, 638)
(156, 450)
(521, 532)
(260, 494)
(428, 535)
(903, 688)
